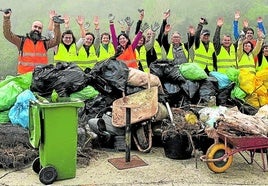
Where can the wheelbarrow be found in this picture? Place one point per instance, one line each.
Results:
(143, 105)
(219, 156)
(134, 109)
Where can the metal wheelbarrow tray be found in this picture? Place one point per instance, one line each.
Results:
(143, 105)
(219, 156)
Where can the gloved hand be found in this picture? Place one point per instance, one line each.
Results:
(87, 25)
(121, 22)
(140, 10)
(155, 27)
(111, 18)
(203, 21)
(144, 27)
(129, 21)
(57, 19)
(6, 11)
(242, 34)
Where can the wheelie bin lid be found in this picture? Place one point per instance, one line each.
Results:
(62, 102)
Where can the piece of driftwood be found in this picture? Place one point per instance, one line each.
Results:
(237, 121)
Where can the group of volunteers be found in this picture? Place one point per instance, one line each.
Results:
(244, 51)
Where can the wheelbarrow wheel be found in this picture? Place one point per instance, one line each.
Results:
(36, 166)
(216, 151)
(142, 138)
(48, 175)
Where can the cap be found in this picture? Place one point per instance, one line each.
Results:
(205, 32)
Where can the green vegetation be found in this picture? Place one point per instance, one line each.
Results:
(183, 14)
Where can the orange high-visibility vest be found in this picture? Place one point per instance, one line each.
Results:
(129, 57)
(31, 56)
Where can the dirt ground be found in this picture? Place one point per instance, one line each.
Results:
(159, 171)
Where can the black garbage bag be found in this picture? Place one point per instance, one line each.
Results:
(94, 107)
(166, 70)
(171, 88)
(208, 88)
(190, 88)
(111, 74)
(244, 107)
(65, 78)
(224, 95)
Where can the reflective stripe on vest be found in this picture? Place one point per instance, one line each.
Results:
(247, 62)
(84, 61)
(31, 56)
(66, 56)
(129, 57)
(226, 59)
(104, 54)
(30, 64)
(158, 50)
(170, 55)
(141, 56)
(204, 58)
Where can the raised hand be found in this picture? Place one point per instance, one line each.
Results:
(237, 15)
(203, 21)
(111, 18)
(80, 20)
(52, 13)
(141, 11)
(129, 21)
(220, 21)
(86, 26)
(155, 26)
(191, 30)
(144, 27)
(245, 23)
(166, 13)
(96, 22)
(66, 19)
(260, 34)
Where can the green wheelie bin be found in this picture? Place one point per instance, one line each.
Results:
(53, 130)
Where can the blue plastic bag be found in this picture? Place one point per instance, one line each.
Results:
(223, 80)
(19, 113)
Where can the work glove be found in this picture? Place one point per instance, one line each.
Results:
(140, 10)
(111, 18)
(242, 34)
(6, 11)
(57, 19)
(144, 27)
(205, 22)
(121, 22)
(87, 25)
(155, 27)
(129, 21)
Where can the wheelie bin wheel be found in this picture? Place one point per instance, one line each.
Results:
(216, 151)
(36, 166)
(47, 175)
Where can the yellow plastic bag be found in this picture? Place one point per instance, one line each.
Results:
(260, 89)
(263, 100)
(263, 76)
(246, 81)
(253, 100)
